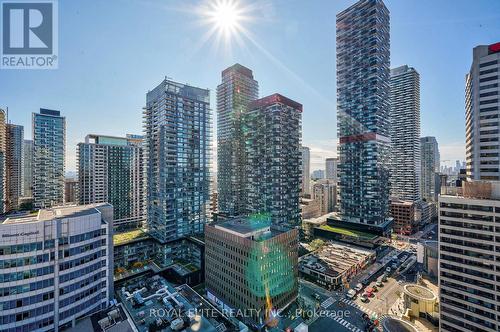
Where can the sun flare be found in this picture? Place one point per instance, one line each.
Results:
(225, 15)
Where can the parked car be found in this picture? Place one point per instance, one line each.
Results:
(358, 287)
(363, 298)
(388, 269)
(374, 287)
(384, 277)
(351, 294)
(379, 283)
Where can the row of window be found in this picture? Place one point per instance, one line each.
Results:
(22, 275)
(16, 262)
(18, 303)
(81, 272)
(81, 284)
(87, 236)
(20, 248)
(6, 291)
(36, 312)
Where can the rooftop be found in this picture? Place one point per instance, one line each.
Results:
(173, 308)
(349, 232)
(130, 236)
(258, 227)
(420, 292)
(70, 211)
(334, 259)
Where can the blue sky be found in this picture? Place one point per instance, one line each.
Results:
(112, 52)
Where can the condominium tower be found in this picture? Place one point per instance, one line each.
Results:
(177, 122)
(273, 134)
(111, 169)
(28, 168)
(469, 252)
(429, 150)
(237, 89)
(3, 152)
(49, 149)
(405, 133)
(363, 112)
(14, 166)
(306, 170)
(482, 111)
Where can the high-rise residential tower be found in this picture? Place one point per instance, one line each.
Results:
(306, 170)
(111, 169)
(237, 89)
(49, 148)
(3, 152)
(482, 110)
(363, 106)
(14, 166)
(28, 168)
(273, 128)
(405, 133)
(430, 162)
(469, 252)
(331, 169)
(177, 124)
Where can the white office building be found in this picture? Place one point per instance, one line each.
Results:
(55, 267)
(482, 111)
(469, 256)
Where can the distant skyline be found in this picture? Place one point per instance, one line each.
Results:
(112, 53)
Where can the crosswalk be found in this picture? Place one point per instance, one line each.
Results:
(346, 324)
(328, 302)
(360, 307)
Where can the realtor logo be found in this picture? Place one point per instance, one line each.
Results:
(29, 35)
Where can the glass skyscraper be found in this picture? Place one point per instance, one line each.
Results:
(49, 149)
(28, 168)
(177, 122)
(430, 162)
(14, 165)
(3, 152)
(363, 112)
(273, 128)
(111, 169)
(237, 89)
(405, 133)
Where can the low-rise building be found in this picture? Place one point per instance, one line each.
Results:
(403, 213)
(55, 266)
(310, 208)
(335, 264)
(251, 265)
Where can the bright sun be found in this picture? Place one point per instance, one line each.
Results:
(226, 22)
(225, 15)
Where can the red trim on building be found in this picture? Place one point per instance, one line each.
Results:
(274, 99)
(358, 138)
(494, 48)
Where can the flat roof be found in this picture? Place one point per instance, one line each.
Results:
(130, 236)
(348, 232)
(334, 259)
(57, 213)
